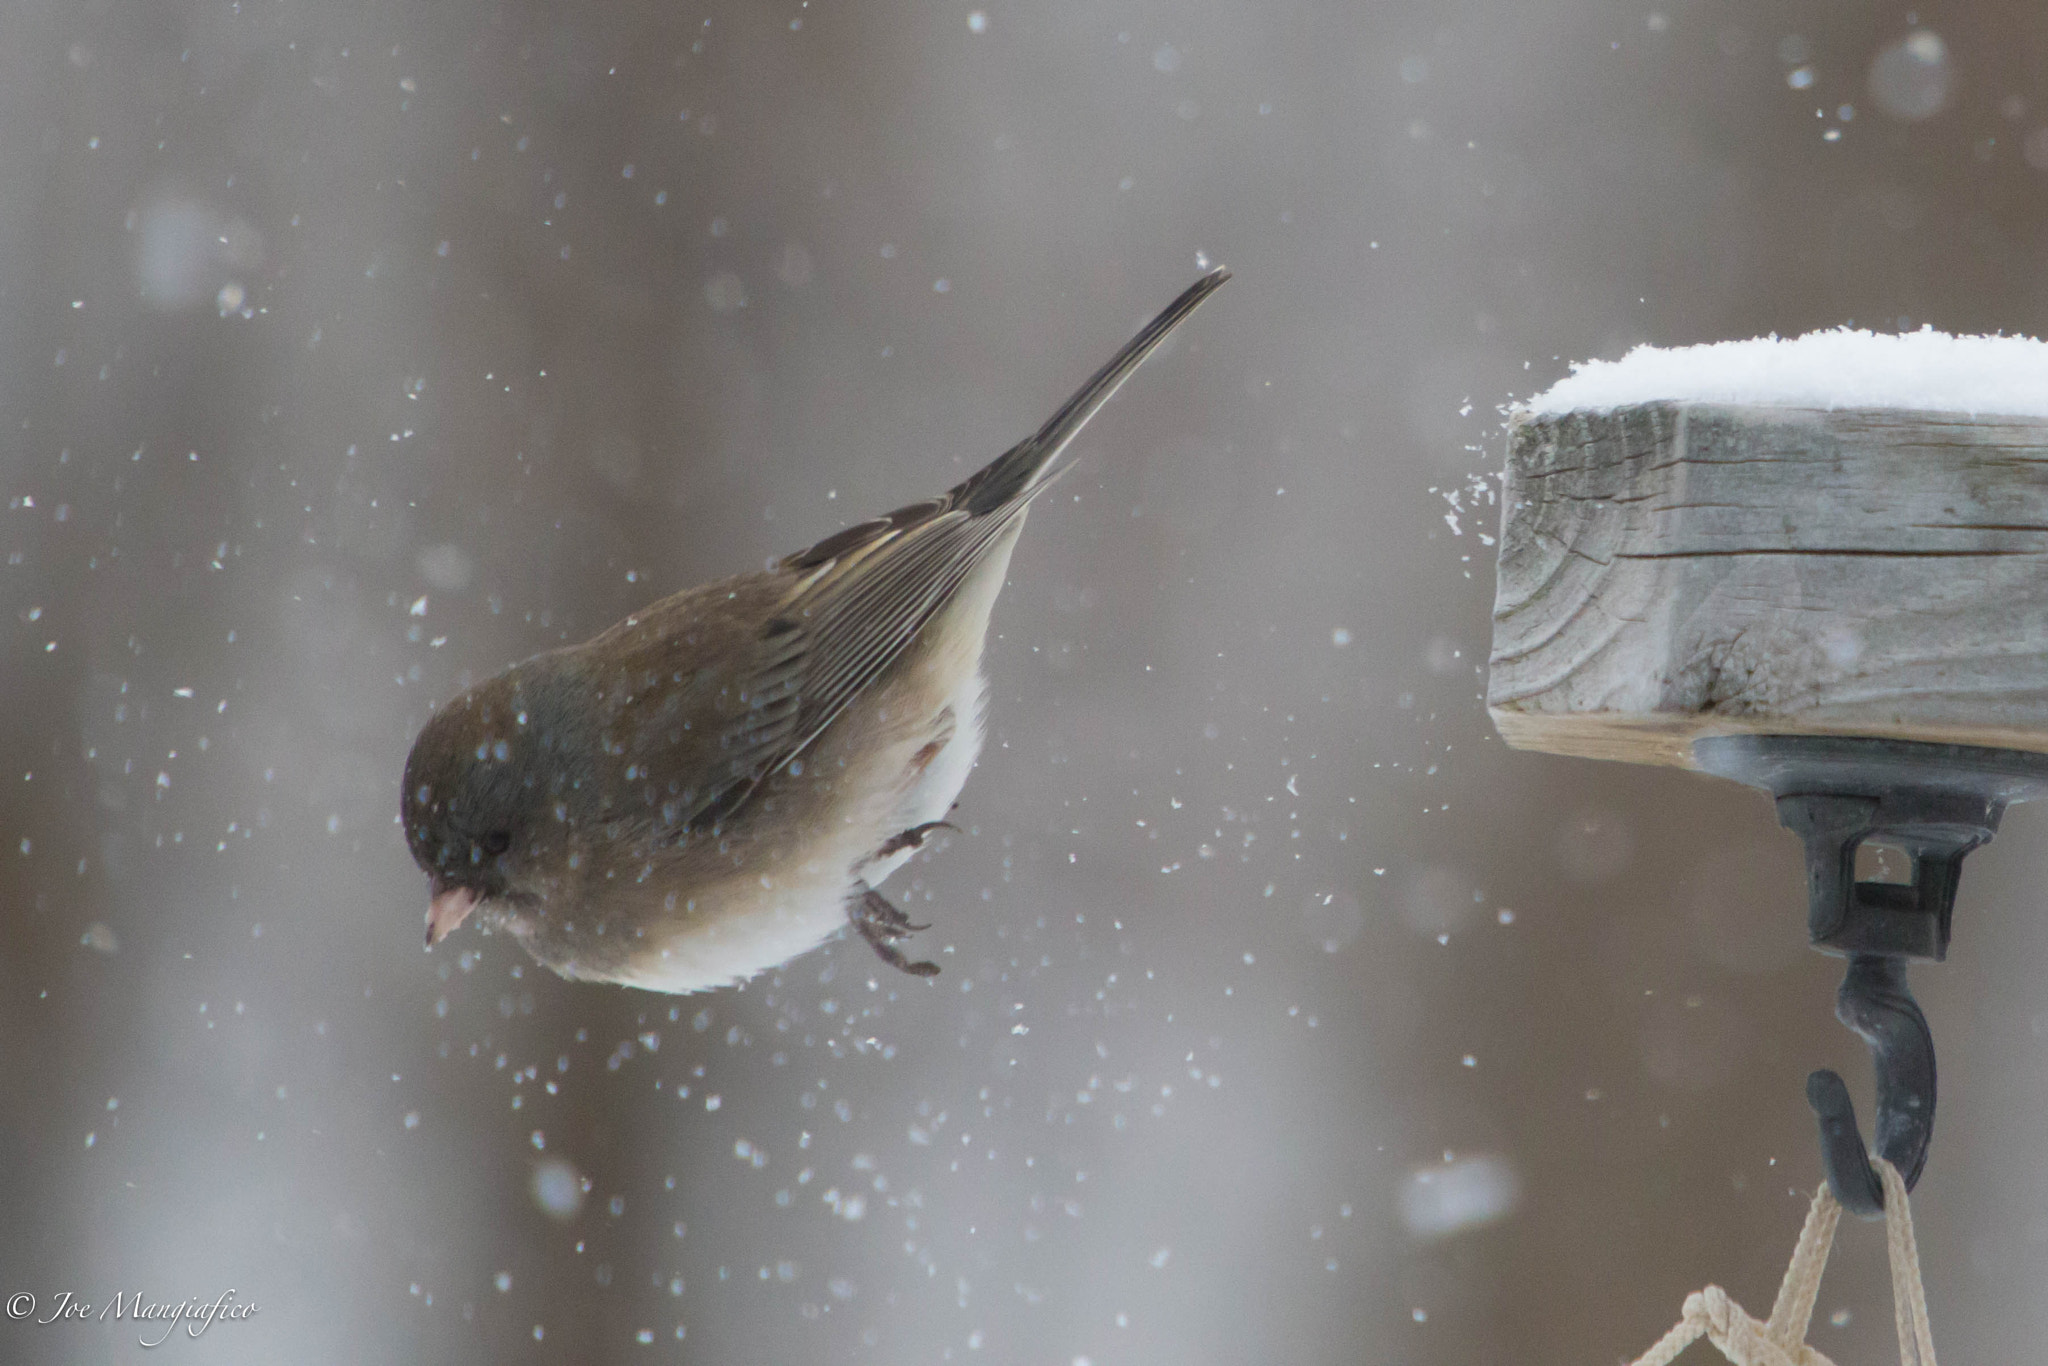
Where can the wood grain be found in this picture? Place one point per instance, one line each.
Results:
(1674, 570)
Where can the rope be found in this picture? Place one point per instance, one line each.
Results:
(1909, 1296)
(1712, 1315)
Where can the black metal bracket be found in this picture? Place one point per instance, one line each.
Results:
(1934, 802)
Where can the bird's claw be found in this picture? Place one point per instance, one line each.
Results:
(912, 838)
(882, 924)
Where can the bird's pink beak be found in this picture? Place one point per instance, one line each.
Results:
(449, 908)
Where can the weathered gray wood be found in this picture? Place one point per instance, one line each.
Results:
(1676, 570)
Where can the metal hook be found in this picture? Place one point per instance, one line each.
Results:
(1936, 803)
(1875, 1002)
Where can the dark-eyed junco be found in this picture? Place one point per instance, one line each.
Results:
(721, 780)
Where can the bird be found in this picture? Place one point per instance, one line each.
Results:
(723, 780)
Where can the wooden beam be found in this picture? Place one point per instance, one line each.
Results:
(1672, 570)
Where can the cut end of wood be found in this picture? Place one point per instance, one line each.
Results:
(1673, 570)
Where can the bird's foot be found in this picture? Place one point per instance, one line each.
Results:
(913, 838)
(881, 924)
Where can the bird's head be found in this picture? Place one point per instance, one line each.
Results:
(485, 798)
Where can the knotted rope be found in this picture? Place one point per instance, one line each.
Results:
(1712, 1315)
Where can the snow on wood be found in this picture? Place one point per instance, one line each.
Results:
(1926, 371)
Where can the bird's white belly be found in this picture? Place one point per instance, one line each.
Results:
(778, 922)
(761, 921)
(939, 786)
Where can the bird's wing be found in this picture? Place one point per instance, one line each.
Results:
(860, 609)
(863, 594)
(694, 703)
(699, 702)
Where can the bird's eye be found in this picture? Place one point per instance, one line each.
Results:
(496, 842)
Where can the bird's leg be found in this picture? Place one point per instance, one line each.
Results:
(881, 924)
(912, 838)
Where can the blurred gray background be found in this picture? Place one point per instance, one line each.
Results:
(353, 350)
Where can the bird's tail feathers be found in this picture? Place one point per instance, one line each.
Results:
(1025, 469)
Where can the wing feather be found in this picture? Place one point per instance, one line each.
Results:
(865, 592)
